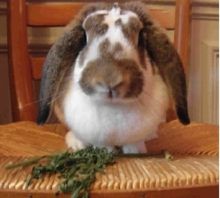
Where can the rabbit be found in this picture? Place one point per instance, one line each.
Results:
(110, 78)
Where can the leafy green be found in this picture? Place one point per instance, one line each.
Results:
(77, 170)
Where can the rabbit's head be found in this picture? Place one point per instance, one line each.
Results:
(111, 60)
(111, 47)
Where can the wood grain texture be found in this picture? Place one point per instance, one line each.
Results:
(29, 139)
(193, 139)
(37, 65)
(182, 31)
(22, 93)
(59, 14)
(165, 17)
(51, 14)
(198, 192)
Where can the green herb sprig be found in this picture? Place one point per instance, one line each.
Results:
(77, 170)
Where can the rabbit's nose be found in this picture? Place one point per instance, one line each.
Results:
(116, 90)
(111, 90)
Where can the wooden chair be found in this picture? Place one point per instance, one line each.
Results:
(24, 68)
(194, 173)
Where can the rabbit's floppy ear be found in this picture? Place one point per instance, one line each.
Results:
(162, 52)
(164, 55)
(60, 57)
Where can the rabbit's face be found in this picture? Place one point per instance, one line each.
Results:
(111, 64)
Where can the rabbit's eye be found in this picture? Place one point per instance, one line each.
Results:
(130, 29)
(95, 23)
(95, 26)
(101, 29)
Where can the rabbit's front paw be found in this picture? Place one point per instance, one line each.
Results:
(73, 142)
(135, 148)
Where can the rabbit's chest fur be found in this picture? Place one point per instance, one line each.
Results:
(116, 123)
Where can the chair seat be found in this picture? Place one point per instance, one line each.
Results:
(195, 167)
(130, 174)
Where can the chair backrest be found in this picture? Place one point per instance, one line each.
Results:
(24, 68)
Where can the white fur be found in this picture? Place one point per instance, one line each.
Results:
(120, 122)
(93, 53)
(105, 123)
(114, 14)
(138, 147)
(93, 14)
(73, 142)
(113, 34)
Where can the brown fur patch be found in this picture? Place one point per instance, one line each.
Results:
(130, 29)
(142, 58)
(136, 80)
(108, 51)
(118, 22)
(117, 47)
(104, 49)
(164, 55)
(61, 91)
(95, 24)
(108, 71)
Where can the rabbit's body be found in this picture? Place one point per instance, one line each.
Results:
(109, 75)
(105, 122)
(116, 121)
